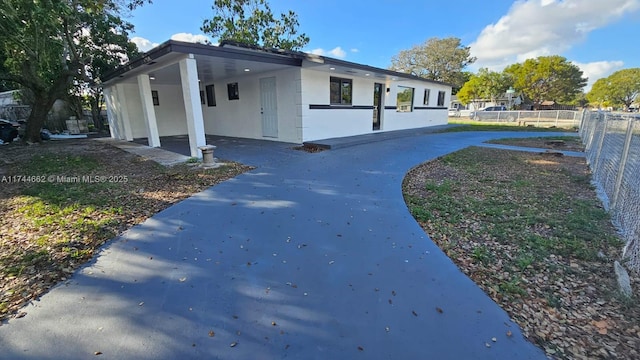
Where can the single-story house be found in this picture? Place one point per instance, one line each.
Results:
(246, 91)
(515, 102)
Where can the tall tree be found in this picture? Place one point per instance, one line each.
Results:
(52, 51)
(471, 92)
(437, 59)
(252, 22)
(547, 78)
(486, 85)
(621, 88)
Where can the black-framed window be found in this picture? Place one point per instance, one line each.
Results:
(233, 91)
(202, 97)
(211, 95)
(340, 91)
(155, 98)
(404, 99)
(441, 95)
(427, 93)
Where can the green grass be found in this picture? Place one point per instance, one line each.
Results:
(536, 214)
(470, 125)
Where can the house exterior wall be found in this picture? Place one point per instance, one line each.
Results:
(242, 117)
(423, 115)
(170, 114)
(334, 122)
(321, 121)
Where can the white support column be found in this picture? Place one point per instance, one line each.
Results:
(124, 120)
(112, 116)
(147, 110)
(192, 105)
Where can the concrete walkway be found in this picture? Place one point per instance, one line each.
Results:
(309, 256)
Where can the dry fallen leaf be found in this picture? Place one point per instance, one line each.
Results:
(233, 344)
(414, 313)
(360, 348)
(183, 279)
(509, 333)
(273, 323)
(602, 326)
(97, 353)
(211, 333)
(439, 310)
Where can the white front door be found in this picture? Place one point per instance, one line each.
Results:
(269, 107)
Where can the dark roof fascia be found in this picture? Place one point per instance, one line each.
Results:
(329, 60)
(398, 74)
(173, 46)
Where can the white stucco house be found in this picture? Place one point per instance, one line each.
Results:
(244, 91)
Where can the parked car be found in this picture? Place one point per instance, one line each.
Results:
(8, 131)
(473, 114)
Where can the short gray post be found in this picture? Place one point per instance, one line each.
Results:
(207, 154)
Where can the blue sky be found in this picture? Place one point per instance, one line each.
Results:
(597, 35)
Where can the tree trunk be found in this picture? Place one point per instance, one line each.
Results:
(39, 110)
(95, 113)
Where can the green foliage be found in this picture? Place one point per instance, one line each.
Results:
(437, 59)
(486, 85)
(547, 78)
(56, 49)
(619, 89)
(252, 22)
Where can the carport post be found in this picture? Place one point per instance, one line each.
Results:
(192, 105)
(111, 114)
(123, 114)
(149, 113)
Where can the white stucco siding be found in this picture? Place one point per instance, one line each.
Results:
(322, 123)
(329, 123)
(423, 115)
(170, 114)
(242, 117)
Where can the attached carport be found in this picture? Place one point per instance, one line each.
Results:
(182, 70)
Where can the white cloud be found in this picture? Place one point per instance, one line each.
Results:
(598, 69)
(544, 27)
(354, 50)
(194, 38)
(336, 52)
(143, 44)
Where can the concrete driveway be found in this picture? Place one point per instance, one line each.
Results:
(309, 256)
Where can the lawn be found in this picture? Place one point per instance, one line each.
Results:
(471, 125)
(530, 231)
(61, 201)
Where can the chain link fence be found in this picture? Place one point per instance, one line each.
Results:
(539, 118)
(612, 143)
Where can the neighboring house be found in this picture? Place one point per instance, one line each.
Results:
(10, 97)
(244, 91)
(516, 102)
(11, 107)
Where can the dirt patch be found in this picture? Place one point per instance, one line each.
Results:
(310, 148)
(559, 143)
(529, 230)
(60, 201)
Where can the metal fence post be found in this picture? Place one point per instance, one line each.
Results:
(538, 123)
(602, 118)
(557, 116)
(623, 162)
